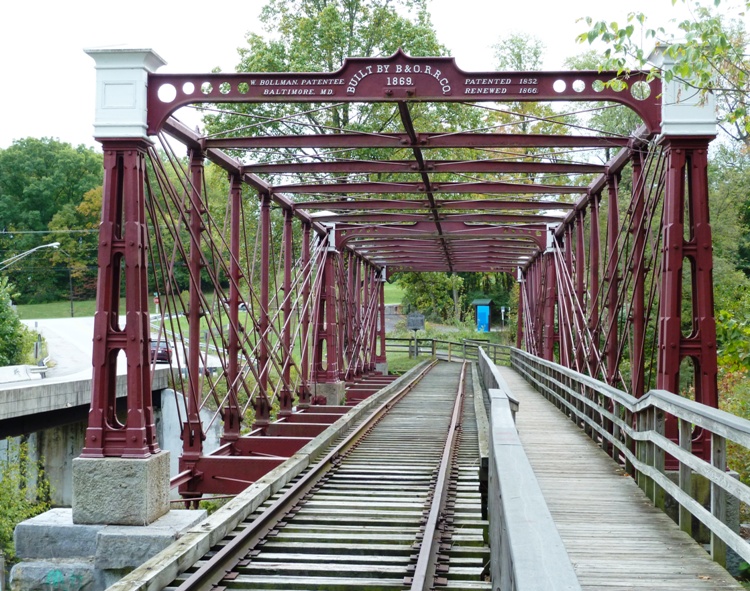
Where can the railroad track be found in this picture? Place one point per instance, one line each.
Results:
(394, 505)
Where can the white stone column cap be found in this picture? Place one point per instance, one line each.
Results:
(122, 90)
(685, 109)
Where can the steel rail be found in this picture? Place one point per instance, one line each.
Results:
(425, 569)
(218, 566)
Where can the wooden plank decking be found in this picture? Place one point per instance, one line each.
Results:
(615, 537)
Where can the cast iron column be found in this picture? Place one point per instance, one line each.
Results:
(687, 185)
(593, 300)
(550, 301)
(520, 312)
(637, 269)
(372, 306)
(192, 435)
(261, 404)
(380, 356)
(580, 287)
(325, 330)
(303, 393)
(232, 410)
(285, 396)
(566, 324)
(122, 243)
(613, 231)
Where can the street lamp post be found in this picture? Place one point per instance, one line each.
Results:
(70, 283)
(14, 259)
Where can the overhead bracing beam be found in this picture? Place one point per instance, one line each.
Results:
(422, 141)
(497, 166)
(348, 203)
(426, 186)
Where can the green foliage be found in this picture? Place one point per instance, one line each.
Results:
(436, 295)
(211, 505)
(76, 227)
(494, 286)
(708, 53)
(614, 119)
(41, 180)
(744, 571)
(21, 495)
(39, 176)
(733, 336)
(521, 52)
(315, 36)
(15, 339)
(399, 363)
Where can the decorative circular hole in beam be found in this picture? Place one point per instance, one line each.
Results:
(640, 90)
(579, 86)
(559, 86)
(206, 88)
(598, 85)
(225, 87)
(243, 87)
(188, 88)
(167, 93)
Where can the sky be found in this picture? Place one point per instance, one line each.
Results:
(48, 82)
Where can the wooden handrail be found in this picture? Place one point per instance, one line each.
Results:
(514, 494)
(633, 432)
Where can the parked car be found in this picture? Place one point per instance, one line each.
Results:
(161, 351)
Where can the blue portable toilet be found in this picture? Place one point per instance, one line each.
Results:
(482, 314)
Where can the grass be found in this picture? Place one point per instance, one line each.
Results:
(400, 362)
(393, 293)
(56, 310)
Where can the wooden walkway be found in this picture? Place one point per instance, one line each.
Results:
(615, 537)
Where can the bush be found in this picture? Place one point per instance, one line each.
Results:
(24, 493)
(16, 340)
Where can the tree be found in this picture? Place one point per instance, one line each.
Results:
(317, 36)
(76, 228)
(432, 294)
(39, 176)
(609, 118)
(39, 179)
(520, 52)
(15, 338)
(709, 55)
(21, 497)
